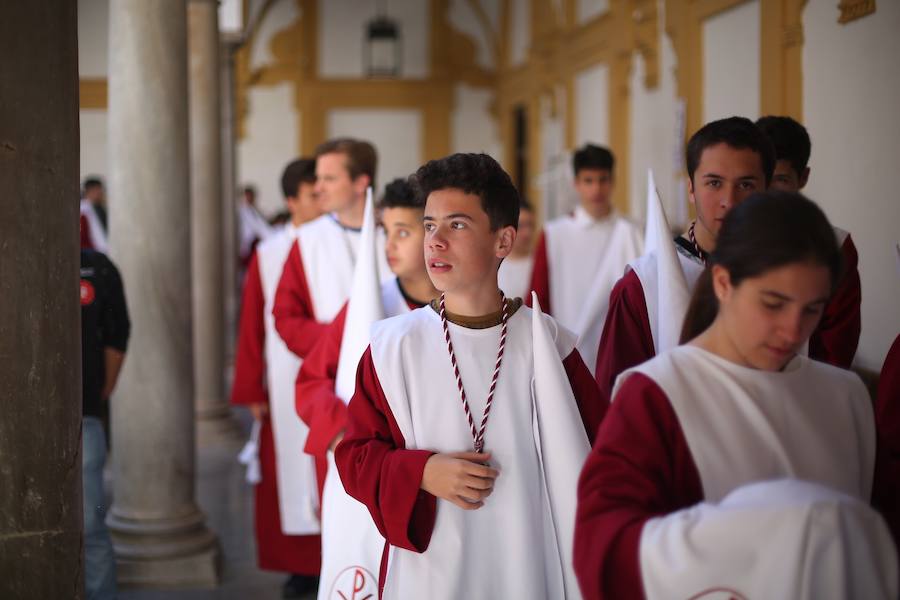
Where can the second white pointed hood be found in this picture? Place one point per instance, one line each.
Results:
(364, 307)
(672, 289)
(562, 441)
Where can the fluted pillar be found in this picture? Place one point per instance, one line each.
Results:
(214, 419)
(40, 336)
(158, 531)
(229, 197)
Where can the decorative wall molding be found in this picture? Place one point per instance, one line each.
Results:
(852, 10)
(93, 94)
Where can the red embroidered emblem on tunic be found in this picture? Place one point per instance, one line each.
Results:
(354, 583)
(87, 292)
(719, 593)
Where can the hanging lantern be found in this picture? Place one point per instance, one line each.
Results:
(383, 47)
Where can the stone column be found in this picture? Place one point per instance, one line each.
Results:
(40, 336)
(159, 533)
(214, 420)
(229, 198)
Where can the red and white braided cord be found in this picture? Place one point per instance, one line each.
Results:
(693, 239)
(477, 434)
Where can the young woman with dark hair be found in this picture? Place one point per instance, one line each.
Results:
(725, 463)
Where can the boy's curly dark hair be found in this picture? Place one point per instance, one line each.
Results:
(477, 174)
(400, 194)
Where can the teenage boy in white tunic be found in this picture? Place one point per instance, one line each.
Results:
(440, 444)
(581, 256)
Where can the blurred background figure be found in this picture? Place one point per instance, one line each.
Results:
(253, 226)
(93, 215)
(514, 276)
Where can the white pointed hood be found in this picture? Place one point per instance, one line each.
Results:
(562, 442)
(364, 307)
(672, 289)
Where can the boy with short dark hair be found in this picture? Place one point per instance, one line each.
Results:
(837, 336)
(580, 256)
(440, 444)
(727, 160)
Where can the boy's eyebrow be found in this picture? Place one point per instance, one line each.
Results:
(717, 176)
(451, 216)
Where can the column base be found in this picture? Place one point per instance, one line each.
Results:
(200, 570)
(165, 553)
(219, 427)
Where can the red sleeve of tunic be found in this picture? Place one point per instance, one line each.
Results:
(316, 401)
(886, 485)
(590, 404)
(640, 467)
(85, 231)
(295, 317)
(627, 340)
(835, 339)
(540, 276)
(378, 470)
(249, 361)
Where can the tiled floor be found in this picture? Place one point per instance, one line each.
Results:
(227, 502)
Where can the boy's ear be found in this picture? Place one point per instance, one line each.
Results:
(361, 183)
(804, 177)
(505, 239)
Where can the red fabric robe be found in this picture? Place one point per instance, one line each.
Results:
(317, 404)
(627, 340)
(540, 276)
(295, 317)
(300, 554)
(85, 232)
(641, 467)
(887, 407)
(835, 339)
(378, 470)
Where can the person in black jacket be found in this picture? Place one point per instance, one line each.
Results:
(104, 337)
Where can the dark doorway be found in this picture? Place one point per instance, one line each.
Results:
(520, 135)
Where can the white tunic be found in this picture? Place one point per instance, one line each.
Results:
(252, 226)
(298, 497)
(509, 547)
(96, 231)
(658, 287)
(585, 259)
(328, 252)
(514, 276)
(351, 543)
(809, 422)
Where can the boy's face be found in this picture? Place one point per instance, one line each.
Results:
(335, 189)
(461, 252)
(405, 237)
(304, 205)
(724, 178)
(787, 179)
(594, 187)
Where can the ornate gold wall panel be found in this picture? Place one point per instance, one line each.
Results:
(295, 52)
(781, 54)
(92, 94)
(560, 49)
